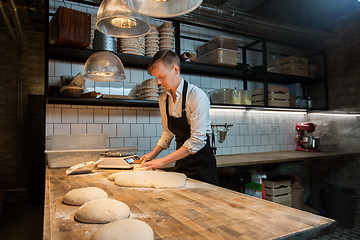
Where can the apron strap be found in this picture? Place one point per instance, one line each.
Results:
(183, 100)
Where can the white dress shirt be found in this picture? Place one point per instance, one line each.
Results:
(197, 108)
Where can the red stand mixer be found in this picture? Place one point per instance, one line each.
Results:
(304, 139)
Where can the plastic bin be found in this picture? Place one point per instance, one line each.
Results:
(68, 142)
(218, 42)
(220, 56)
(340, 204)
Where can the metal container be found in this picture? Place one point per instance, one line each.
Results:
(220, 56)
(103, 42)
(225, 96)
(246, 97)
(218, 42)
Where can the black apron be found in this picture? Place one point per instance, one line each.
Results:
(201, 165)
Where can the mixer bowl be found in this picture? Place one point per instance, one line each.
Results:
(315, 142)
(311, 142)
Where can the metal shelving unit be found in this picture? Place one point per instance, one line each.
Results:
(102, 102)
(81, 55)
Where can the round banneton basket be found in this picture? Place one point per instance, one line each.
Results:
(71, 91)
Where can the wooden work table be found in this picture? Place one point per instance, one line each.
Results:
(278, 157)
(197, 211)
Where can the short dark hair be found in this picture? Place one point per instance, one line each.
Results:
(168, 57)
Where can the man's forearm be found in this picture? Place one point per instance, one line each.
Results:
(156, 151)
(178, 154)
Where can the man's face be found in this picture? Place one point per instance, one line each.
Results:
(164, 74)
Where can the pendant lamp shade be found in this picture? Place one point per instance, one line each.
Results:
(104, 66)
(116, 19)
(163, 8)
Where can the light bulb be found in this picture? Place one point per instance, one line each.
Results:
(104, 74)
(123, 22)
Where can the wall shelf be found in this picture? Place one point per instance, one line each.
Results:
(281, 78)
(154, 104)
(102, 102)
(135, 61)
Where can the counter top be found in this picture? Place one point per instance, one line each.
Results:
(197, 211)
(278, 157)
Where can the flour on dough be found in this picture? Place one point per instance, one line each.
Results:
(80, 196)
(136, 167)
(102, 210)
(150, 179)
(129, 229)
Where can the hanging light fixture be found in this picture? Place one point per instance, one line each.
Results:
(162, 8)
(116, 19)
(104, 65)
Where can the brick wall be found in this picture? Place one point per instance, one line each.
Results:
(344, 66)
(337, 132)
(21, 74)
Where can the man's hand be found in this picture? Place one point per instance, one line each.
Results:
(156, 163)
(147, 157)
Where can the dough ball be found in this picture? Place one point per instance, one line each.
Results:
(80, 196)
(102, 210)
(150, 179)
(126, 229)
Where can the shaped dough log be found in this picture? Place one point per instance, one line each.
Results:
(126, 229)
(80, 196)
(150, 179)
(102, 210)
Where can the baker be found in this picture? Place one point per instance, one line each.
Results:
(184, 113)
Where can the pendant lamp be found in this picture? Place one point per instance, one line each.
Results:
(116, 19)
(162, 8)
(103, 65)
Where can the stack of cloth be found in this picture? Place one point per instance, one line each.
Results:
(134, 46)
(149, 90)
(152, 41)
(166, 34)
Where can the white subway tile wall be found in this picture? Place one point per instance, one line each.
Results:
(141, 127)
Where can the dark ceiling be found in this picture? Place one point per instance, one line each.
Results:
(320, 14)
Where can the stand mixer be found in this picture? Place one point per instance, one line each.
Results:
(305, 140)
